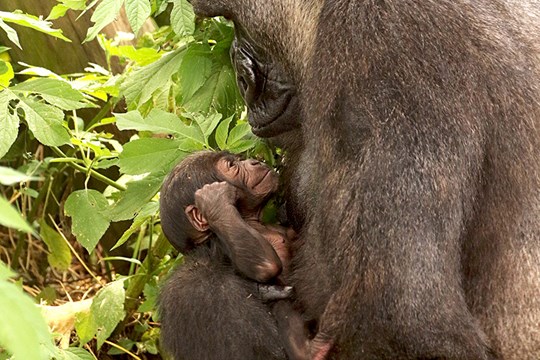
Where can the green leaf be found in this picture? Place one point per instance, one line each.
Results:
(182, 18)
(158, 122)
(10, 176)
(218, 93)
(85, 326)
(149, 155)
(146, 214)
(143, 56)
(139, 86)
(242, 146)
(23, 331)
(151, 294)
(108, 309)
(222, 133)
(57, 12)
(137, 12)
(189, 145)
(5, 272)
(196, 68)
(10, 32)
(74, 353)
(45, 122)
(238, 133)
(6, 74)
(56, 92)
(9, 124)
(105, 13)
(138, 193)
(59, 255)
(11, 218)
(86, 209)
(207, 123)
(33, 22)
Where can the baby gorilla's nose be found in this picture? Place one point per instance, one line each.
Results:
(253, 162)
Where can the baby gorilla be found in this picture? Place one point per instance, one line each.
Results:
(210, 208)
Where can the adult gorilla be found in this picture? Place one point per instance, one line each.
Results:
(412, 130)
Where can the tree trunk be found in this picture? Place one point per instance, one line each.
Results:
(57, 55)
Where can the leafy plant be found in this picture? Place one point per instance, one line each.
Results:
(70, 181)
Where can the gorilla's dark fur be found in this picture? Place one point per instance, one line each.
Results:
(413, 136)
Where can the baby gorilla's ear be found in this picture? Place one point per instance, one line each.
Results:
(197, 220)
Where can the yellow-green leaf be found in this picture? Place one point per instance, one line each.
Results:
(59, 253)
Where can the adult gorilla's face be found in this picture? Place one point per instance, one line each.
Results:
(267, 59)
(268, 90)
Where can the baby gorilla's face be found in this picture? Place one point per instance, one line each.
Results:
(256, 180)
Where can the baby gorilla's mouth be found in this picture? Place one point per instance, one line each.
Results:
(261, 180)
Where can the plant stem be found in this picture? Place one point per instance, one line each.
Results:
(90, 172)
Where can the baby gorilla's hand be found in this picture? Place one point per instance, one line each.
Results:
(214, 200)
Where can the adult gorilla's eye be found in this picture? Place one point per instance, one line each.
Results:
(246, 68)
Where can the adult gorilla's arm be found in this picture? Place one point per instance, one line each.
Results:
(398, 233)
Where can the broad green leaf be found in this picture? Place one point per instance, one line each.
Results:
(108, 309)
(182, 18)
(158, 122)
(105, 13)
(10, 32)
(151, 294)
(148, 210)
(5, 272)
(149, 155)
(10, 176)
(189, 145)
(56, 92)
(218, 93)
(196, 68)
(11, 218)
(138, 194)
(59, 255)
(9, 123)
(222, 133)
(163, 98)
(86, 209)
(137, 12)
(143, 56)
(57, 12)
(45, 122)
(141, 84)
(242, 146)
(6, 74)
(85, 326)
(23, 331)
(74, 353)
(238, 133)
(33, 22)
(207, 123)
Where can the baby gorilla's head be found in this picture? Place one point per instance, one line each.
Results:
(254, 181)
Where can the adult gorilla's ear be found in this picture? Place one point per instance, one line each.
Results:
(211, 8)
(196, 218)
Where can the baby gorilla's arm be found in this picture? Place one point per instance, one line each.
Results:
(248, 250)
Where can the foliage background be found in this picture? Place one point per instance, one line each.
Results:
(82, 159)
